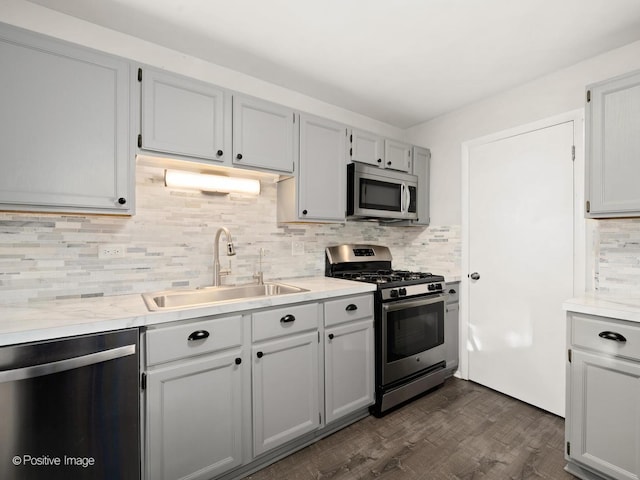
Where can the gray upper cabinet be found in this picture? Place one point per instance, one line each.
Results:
(397, 155)
(323, 147)
(263, 135)
(366, 147)
(183, 116)
(65, 140)
(421, 168)
(613, 147)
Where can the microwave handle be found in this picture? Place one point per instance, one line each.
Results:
(403, 197)
(407, 201)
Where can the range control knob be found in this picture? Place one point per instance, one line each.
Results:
(393, 293)
(432, 286)
(402, 291)
(438, 286)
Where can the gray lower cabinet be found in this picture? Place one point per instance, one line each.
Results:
(452, 327)
(183, 116)
(285, 375)
(65, 140)
(307, 197)
(612, 129)
(603, 398)
(263, 135)
(348, 356)
(194, 399)
(224, 395)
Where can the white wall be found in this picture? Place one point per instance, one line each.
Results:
(554, 94)
(49, 22)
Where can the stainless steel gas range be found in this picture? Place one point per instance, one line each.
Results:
(409, 322)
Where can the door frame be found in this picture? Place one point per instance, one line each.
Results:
(583, 259)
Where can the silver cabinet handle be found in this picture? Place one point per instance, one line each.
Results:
(67, 364)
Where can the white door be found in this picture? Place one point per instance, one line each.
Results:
(520, 248)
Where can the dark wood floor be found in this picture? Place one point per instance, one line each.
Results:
(461, 431)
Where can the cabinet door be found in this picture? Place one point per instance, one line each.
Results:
(451, 336)
(263, 135)
(421, 168)
(366, 147)
(323, 146)
(64, 127)
(605, 414)
(397, 155)
(285, 390)
(348, 368)
(613, 147)
(182, 116)
(194, 418)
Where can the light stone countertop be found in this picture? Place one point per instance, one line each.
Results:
(21, 323)
(622, 308)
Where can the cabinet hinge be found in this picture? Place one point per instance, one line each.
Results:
(573, 152)
(588, 206)
(140, 140)
(569, 355)
(569, 448)
(588, 96)
(318, 336)
(294, 117)
(351, 152)
(351, 138)
(319, 418)
(143, 382)
(139, 74)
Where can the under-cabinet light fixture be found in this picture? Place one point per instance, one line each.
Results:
(211, 183)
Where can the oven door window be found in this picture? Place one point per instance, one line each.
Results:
(414, 329)
(377, 195)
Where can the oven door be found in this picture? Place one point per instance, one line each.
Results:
(412, 334)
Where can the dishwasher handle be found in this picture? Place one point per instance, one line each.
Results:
(67, 364)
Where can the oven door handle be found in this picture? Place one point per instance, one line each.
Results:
(414, 302)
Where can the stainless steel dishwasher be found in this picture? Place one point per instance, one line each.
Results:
(69, 408)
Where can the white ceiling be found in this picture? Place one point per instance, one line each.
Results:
(402, 62)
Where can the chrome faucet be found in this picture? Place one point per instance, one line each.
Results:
(259, 275)
(217, 272)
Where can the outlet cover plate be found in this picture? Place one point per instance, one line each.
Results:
(111, 250)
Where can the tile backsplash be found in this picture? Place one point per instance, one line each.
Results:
(169, 244)
(617, 252)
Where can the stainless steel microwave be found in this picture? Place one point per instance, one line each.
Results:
(377, 193)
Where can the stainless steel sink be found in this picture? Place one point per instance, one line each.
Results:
(171, 299)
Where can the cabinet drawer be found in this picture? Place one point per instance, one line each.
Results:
(348, 309)
(284, 321)
(452, 290)
(208, 335)
(588, 331)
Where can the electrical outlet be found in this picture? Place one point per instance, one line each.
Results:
(109, 250)
(297, 247)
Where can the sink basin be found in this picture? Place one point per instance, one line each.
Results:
(210, 295)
